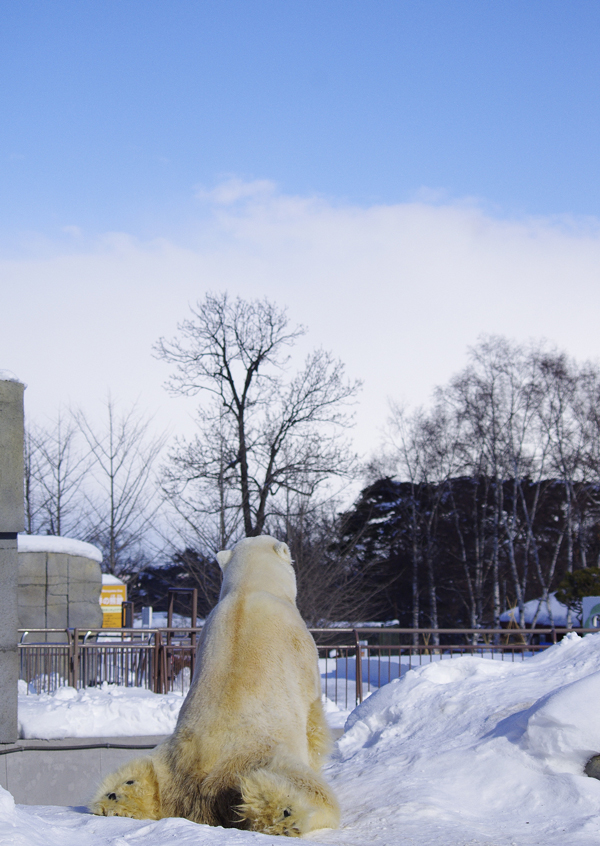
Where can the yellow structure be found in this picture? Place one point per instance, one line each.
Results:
(112, 597)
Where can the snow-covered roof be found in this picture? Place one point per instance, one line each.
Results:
(8, 376)
(55, 543)
(544, 618)
(108, 579)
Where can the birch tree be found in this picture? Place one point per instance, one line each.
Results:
(494, 402)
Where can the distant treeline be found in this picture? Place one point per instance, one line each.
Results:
(483, 501)
(438, 554)
(490, 497)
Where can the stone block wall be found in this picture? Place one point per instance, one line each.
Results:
(58, 589)
(11, 522)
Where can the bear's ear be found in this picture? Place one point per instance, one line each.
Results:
(283, 551)
(224, 557)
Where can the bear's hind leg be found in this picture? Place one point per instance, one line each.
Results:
(318, 735)
(289, 801)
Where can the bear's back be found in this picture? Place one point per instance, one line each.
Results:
(256, 677)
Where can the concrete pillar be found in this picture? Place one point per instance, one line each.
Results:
(11, 521)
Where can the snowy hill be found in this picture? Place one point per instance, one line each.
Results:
(462, 752)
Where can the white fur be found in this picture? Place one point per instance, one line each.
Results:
(251, 734)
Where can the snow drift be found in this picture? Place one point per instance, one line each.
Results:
(457, 753)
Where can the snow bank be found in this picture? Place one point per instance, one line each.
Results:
(7, 804)
(54, 543)
(563, 728)
(106, 711)
(111, 711)
(462, 752)
(476, 751)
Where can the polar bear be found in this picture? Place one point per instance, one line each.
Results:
(251, 735)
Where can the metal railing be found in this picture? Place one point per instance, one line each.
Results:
(161, 660)
(353, 661)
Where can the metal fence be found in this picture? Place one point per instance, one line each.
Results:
(161, 660)
(353, 661)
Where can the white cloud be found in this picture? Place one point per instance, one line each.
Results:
(73, 230)
(233, 190)
(398, 292)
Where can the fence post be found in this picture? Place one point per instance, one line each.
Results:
(76, 658)
(157, 645)
(127, 615)
(170, 610)
(71, 658)
(194, 620)
(165, 664)
(359, 691)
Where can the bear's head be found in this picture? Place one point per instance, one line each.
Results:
(131, 791)
(260, 563)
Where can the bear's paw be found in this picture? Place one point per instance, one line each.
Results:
(131, 791)
(279, 803)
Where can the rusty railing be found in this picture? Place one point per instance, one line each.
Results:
(353, 661)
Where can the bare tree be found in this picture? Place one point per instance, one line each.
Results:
(123, 503)
(330, 579)
(495, 401)
(422, 450)
(260, 435)
(34, 500)
(199, 483)
(563, 424)
(502, 477)
(54, 472)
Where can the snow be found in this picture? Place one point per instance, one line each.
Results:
(478, 751)
(558, 617)
(9, 376)
(109, 579)
(111, 710)
(459, 752)
(54, 543)
(106, 711)
(160, 619)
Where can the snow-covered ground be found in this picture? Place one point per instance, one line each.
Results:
(457, 753)
(113, 711)
(110, 711)
(106, 711)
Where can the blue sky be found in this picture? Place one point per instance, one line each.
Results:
(114, 111)
(404, 176)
